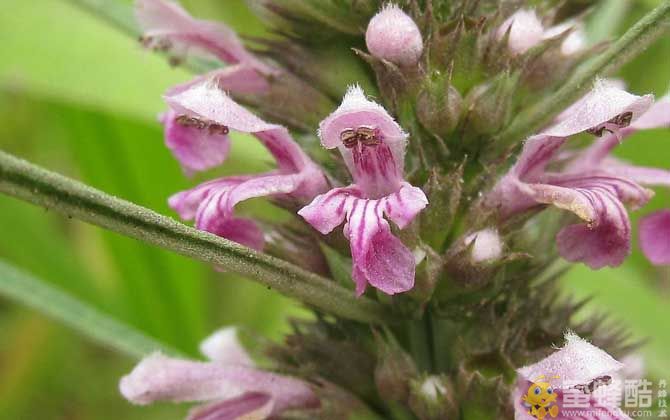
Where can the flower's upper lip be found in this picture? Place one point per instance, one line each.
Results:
(354, 112)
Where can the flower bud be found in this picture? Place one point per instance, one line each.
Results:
(439, 108)
(525, 31)
(432, 398)
(395, 368)
(485, 245)
(393, 36)
(473, 261)
(488, 105)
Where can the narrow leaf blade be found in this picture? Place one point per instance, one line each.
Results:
(48, 300)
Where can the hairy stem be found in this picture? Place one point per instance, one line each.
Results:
(39, 186)
(632, 43)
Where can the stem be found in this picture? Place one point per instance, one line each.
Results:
(76, 314)
(39, 186)
(636, 39)
(114, 12)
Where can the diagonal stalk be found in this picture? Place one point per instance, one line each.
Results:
(115, 12)
(39, 186)
(56, 304)
(632, 43)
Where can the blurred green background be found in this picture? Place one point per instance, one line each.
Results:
(78, 97)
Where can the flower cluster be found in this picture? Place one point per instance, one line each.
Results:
(426, 217)
(589, 183)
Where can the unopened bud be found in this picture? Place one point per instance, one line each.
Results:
(439, 108)
(395, 368)
(488, 105)
(485, 245)
(432, 398)
(472, 262)
(525, 31)
(574, 42)
(393, 36)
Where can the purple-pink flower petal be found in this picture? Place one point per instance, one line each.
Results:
(655, 237)
(379, 258)
(252, 405)
(197, 148)
(373, 147)
(211, 204)
(596, 155)
(370, 141)
(160, 378)
(167, 25)
(598, 109)
(578, 363)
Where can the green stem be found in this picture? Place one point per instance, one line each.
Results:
(118, 14)
(632, 43)
(53, 191)
(54, 303)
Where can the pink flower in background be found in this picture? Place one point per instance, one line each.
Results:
(167, 26)
(196, 144)
(373, 147)
(211, 204)
(229, 384)
(526, 31)
(655, 237)
(595, 195)
(579, 376)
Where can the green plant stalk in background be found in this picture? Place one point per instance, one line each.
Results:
(631, 44)
(72, 312)
(41, 187)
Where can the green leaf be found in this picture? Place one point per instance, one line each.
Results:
(44, 298)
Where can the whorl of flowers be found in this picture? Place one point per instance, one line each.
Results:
(434, 212)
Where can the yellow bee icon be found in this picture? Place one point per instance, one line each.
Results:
(540, 400)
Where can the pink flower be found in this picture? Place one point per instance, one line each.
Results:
(526, 31)
(595, 195)
(393, 36)
(211, 204)
(167, 26)
(373, 147)
(654, 229)
(199, 144)
(655, 237)
(576, 380)
(229, 383)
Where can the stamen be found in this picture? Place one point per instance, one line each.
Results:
(620, 121)
(367, 136)
(193, 122)
(594, 384)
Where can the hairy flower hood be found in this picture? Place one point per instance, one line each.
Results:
(571, 369)
(373, 147)
(595, 196)
(212, 203)
(229, 383)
